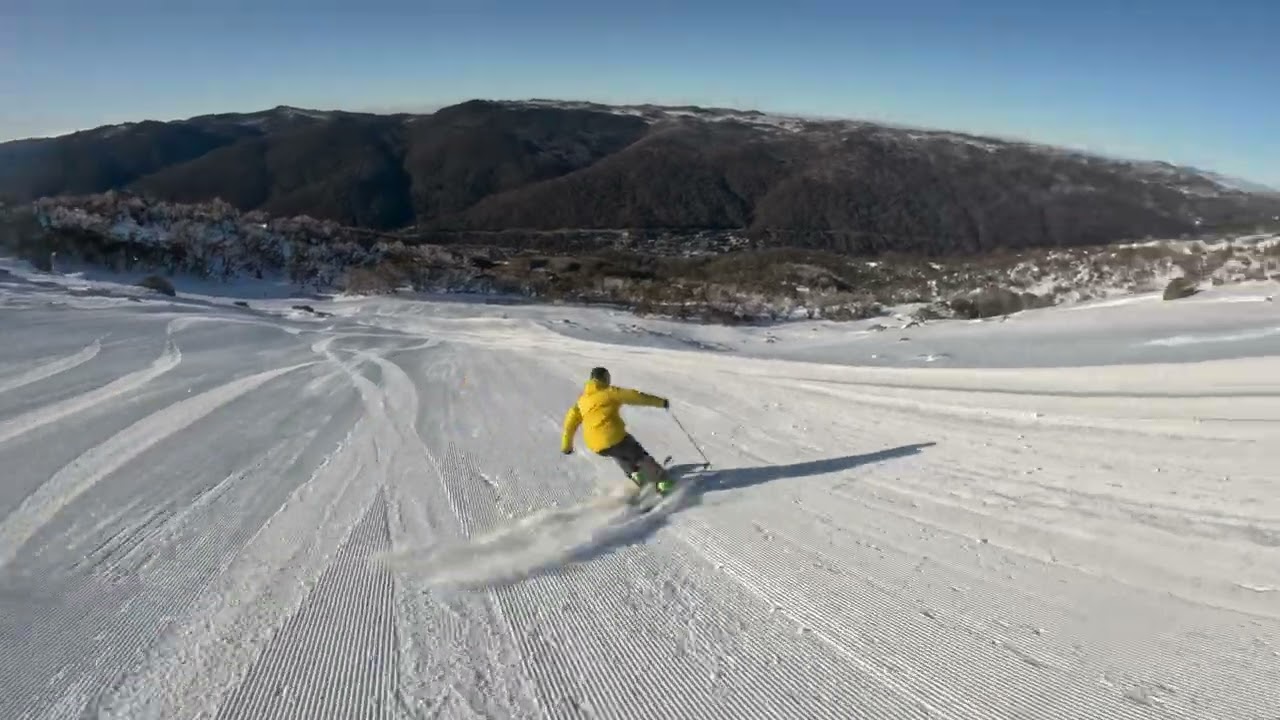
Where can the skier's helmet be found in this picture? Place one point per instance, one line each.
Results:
(600, 375)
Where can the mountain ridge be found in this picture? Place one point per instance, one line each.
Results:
(544, 165)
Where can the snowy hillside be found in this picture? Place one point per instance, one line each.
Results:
(718, 277)
(360, 511)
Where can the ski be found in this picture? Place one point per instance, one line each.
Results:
(646, 496)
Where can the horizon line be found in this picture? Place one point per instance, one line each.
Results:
(428, 109)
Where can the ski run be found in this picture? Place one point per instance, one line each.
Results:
(209, 510)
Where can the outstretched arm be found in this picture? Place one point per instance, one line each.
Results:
(572, 420)
(627, 396)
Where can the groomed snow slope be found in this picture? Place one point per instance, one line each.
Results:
(223, 512)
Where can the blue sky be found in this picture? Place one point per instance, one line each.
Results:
(1189, 82)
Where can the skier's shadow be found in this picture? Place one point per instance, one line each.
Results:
(698, 480)
(713, 480)
(570, 536)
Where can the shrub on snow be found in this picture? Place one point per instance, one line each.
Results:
(158, 284)
(1180, 287)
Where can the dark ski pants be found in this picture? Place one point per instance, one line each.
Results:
(629, 454)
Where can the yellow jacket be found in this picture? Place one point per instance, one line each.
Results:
(597, 411)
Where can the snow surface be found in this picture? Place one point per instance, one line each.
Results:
(210, 510)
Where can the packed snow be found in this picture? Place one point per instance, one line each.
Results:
(360, 510)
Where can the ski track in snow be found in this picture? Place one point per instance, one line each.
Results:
(67, 484)
(168, 360)
(372, 520)
(46, 368)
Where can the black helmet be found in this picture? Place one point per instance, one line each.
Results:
(600, 375)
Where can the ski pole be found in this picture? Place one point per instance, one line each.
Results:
(691, 440)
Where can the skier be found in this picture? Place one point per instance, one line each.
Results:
(597, 409)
